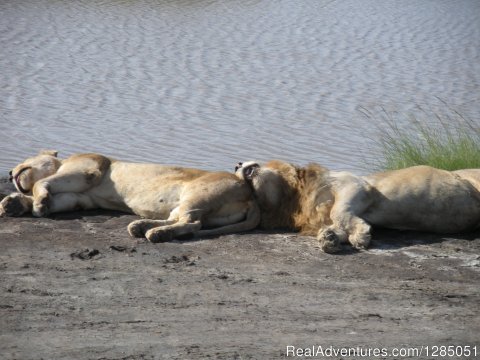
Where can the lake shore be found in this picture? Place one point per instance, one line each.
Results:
(77, 286)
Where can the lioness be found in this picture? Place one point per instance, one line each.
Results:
(179, 200)
(340, 207)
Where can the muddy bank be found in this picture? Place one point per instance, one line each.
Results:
(77, 286)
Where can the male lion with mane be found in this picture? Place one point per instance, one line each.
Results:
(340, 207)
(177, 201)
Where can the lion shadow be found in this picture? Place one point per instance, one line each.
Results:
(389, 239)
(382, 238)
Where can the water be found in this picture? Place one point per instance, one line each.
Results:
(208, 83)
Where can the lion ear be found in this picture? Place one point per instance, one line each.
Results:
(53, 153)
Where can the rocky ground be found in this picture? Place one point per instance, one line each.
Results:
(76, 286)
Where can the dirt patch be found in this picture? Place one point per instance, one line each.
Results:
(85, 254)
(245, 296)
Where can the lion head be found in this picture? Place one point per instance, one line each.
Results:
(26, 174)
(275, 185)
(292, 197)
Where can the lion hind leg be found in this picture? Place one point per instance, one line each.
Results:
(138, 228)
(250, 222)
(58, 183)
(170, 232)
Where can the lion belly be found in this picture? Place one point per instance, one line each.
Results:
(148, 190)
(423, 198)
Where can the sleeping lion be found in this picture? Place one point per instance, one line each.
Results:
(176, 201)
(339, 207)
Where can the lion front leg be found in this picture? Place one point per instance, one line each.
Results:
(360, 235)
(352, 198)
(41, 204)
(331, 238)
(70, 202)
(346, 227)
(16, 204)
(351, 229)
(59, 183)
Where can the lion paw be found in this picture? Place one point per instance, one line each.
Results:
(329, 241)
(156, 235)
(41, 208)
(14, 205)
(360, 242)
(360, 239)
(136, 229)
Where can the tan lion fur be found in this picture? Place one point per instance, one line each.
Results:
(175, 200)
(340, 207)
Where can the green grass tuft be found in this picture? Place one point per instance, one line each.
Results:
(449, 143)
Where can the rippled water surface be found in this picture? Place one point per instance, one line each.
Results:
(208, 83)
